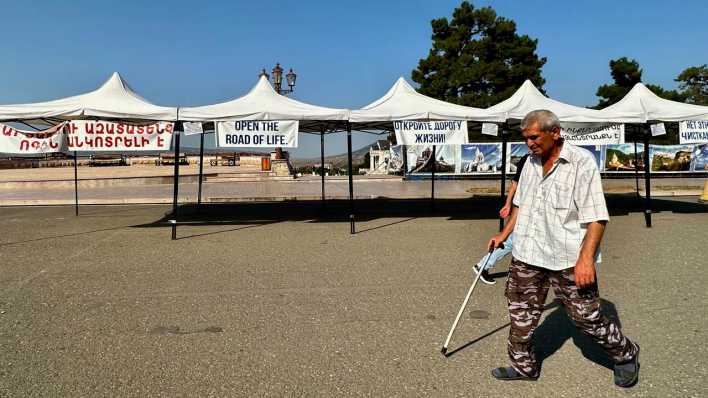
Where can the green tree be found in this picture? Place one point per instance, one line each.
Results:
(477, 58)
(626, 73)
(693, 83)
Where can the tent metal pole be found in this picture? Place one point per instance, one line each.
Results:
(647, 179)
(636, 167)
(201, 169)
(322, 159)
(432, 182)
(404, 153)
(351, 179)
(503, 175)
(176, 187)
(76, 184)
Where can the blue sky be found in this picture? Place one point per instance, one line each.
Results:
(346, 53)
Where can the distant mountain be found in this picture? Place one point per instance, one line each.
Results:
(338, 161)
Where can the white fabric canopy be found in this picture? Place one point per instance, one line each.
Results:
(114, 99)
(263, 103)
(402, 102)
(641, 105)
(527, 98)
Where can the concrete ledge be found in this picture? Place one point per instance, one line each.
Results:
(98, 182)
(679, 192)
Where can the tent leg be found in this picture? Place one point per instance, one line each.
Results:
(503, 176)
(176, 187)
(432, 182)
(636, 167)
(76, 185)
(647, 180)
(201, 170)
(404, 153)
(351, 179)
(322, 159)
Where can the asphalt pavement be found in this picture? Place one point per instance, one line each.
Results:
(278, 301)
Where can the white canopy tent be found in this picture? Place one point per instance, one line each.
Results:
(528, 98)
(114, 99)
(641, 105)
(264, 103)
(402, 102)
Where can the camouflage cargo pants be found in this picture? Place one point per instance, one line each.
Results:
(526, 291)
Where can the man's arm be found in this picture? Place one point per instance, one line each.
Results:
(504, 212)
(499, 238)
(585, 265)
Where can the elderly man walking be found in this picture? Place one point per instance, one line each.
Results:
(558, 220)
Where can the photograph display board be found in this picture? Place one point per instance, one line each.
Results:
(670, 158)
(420, 159)
(480, 159)
(598, 152)
(485, 158)
(395, 162)
(516, 150)
(699, 161)
(622, 158)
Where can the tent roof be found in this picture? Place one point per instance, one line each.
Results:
(402, 102)
(114, 99)
(641, 105)
(527, 98)
(263, 103)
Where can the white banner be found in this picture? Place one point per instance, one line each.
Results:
(100, 135)
(257, 133)
(490, 129)
(693, 132)
(192, 128)
(592, 133)
(440, 132)
(24, 142)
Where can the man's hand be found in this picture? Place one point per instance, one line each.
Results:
(495, 242)
(504, 212)
(584, 272)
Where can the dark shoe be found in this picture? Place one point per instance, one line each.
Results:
(627, 373)
(509, 374)
(485, 278)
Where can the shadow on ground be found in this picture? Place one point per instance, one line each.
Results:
(474, 208)
(555, 330)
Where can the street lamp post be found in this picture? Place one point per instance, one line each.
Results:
(277, 74)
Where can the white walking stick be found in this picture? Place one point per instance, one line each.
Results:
(464, 305)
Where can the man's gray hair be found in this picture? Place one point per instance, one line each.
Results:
(544, 119)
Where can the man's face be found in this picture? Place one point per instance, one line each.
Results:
(540, 143)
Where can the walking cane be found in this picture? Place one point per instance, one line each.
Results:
(464, 304)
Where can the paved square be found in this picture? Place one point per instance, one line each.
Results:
(105, 304)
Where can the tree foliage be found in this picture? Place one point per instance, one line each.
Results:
(694, 84)
(477, 58)
(626, 73)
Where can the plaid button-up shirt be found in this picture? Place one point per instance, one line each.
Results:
(554, 209)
